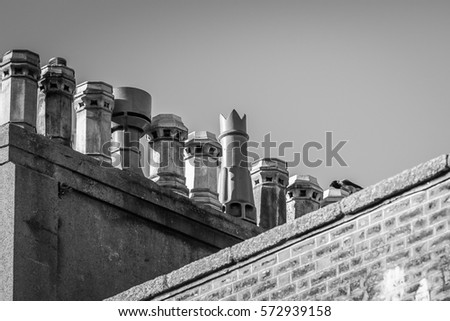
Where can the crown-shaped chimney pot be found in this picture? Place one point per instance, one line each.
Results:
(233, 124)
(235, 186)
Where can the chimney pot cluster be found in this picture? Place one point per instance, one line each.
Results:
(115, 125)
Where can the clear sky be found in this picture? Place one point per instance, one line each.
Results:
(375, 73)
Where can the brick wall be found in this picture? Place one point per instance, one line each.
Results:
(389, 242)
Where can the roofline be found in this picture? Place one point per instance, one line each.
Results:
(357, 202)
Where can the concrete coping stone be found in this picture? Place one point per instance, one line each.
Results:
(124, 180)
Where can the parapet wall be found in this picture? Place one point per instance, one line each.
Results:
(72, 229)
(390, 241)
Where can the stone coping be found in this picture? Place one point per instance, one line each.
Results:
(125, 181)
(357, 202)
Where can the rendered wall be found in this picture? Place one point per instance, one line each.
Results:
(7, 174)
(74, 230)
(390, 241)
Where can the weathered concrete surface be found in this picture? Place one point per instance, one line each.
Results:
(361, 250)
(7, 203)
(237, 253)
(86, 232)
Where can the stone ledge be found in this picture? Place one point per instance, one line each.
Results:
(123, 180)
(395, 185)
(368, 197)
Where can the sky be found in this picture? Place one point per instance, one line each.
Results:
(375, 74)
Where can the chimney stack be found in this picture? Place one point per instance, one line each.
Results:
(93, 104)
(166, 142)
(202, 153)
(18, 102)
(56, 88)
(303, 196)
(270, 178)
